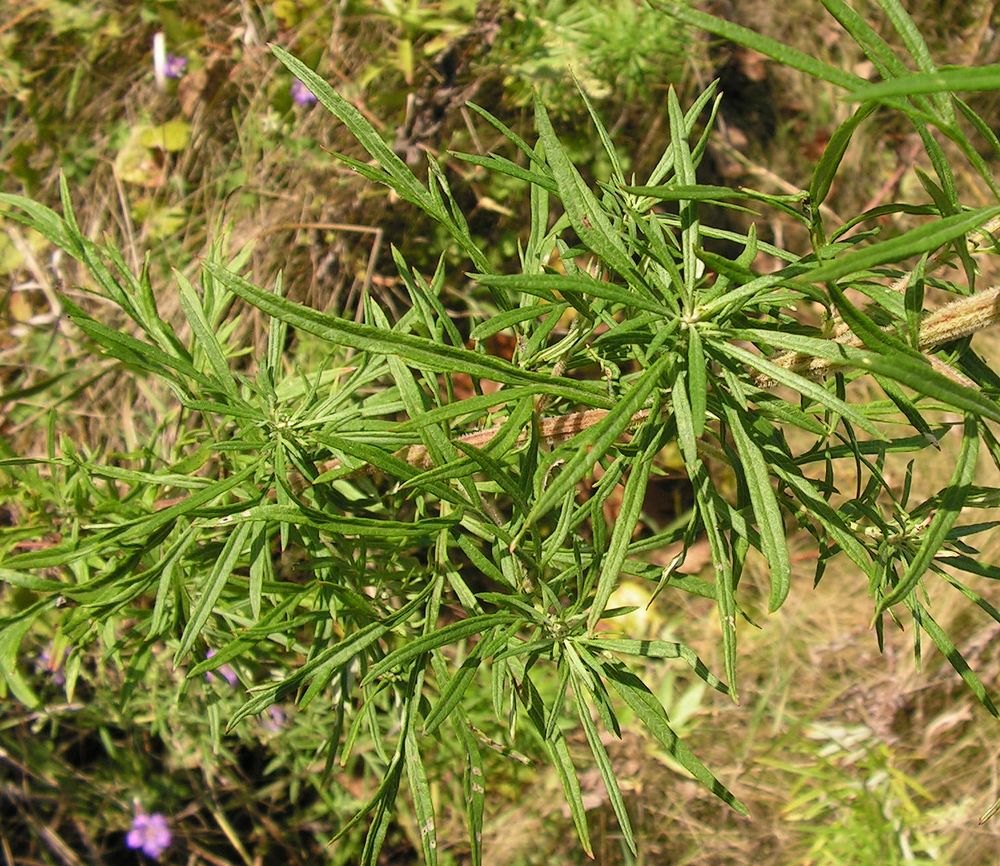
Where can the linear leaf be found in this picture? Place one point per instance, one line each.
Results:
(829, 163)
(204, 337)
(765, 508)
(404, 181)
(621, 535)
(420, 790)
(651, 713)
(349, 526)
(697, 380)
(448, 634)
(543, 285)
(509, 318)
(330, 659)
(952, 500)
(499, 164)
(217, 579)
(462, 679)
(948, 649)
(585, 212)
(592, 444)
(945, 80)
(604, 766)
(707, 500)
(806, 387)
(420, 352)
(921, 377)
(915, 242)
(769, 47)
(658, 649)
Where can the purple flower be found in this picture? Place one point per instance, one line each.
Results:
(225, 671)
(45, 663)
(302, 94)
(275, 719)
(175, 67)
(150, 833)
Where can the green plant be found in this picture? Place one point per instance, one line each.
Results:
(441, 542)
(421, 30)
(854, 805)
(623, 50)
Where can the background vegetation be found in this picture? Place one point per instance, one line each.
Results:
(842, 754)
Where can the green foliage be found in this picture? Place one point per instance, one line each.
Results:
(349, 536)
(420, 30)
(622, 50)
(854, 805)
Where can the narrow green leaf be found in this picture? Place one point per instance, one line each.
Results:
(765, 508)
(923, 239)
(829, 163)
(558, 753)
(509, 318)
(30, 582)
(425, 354)
(604, 766)
(944, 80)
(921, 377)
(591, 445)
(685, 421)
(952, 499)
(129, 350)
(216, 582)
(448, 634)
(140, 528)
(366, 527)
(500, 165)
(544, 285)
(657, 649)
(707, 500)
(509, 134)
(873, 337)
(651, 713)
(697, 380)
(463, 678)
(474, 787)
(585, 212)
(688, 211)
(420, 790)
(948, 649)
(273, 624)
(205, 339)
(43, 220)
(10, 642)
(602, 133)
(915, 44)
(331, 658)
(404, 181)
(621, 535)
(769, 47)
(261, 566)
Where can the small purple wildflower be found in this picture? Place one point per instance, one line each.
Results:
(175, 67)
(302, 95)
(149, 833)
(275, 719)
(46, 664)
(225, 671)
